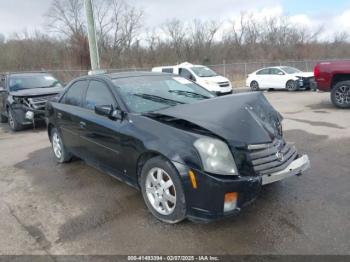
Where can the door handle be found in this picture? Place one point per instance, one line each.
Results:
(82, 125)
(59, 115)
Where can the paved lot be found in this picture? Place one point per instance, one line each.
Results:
(47, 208)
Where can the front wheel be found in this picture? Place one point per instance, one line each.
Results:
(59, 150)
(162, 190)
(291, 86)
(254, 86)
(340, 94)
(12, 121)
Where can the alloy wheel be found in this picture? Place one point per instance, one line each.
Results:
(342, 95)
(160, 191)
(57, 145)
(291, 86)
(254, 86)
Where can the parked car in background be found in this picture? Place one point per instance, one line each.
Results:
(23, 97)
(192, 155)
(279, 77)
(334, 77)
(202, 75)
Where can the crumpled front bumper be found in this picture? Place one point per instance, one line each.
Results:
(295, 168)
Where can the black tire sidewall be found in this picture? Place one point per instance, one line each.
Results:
(333, 91)
(179, 212)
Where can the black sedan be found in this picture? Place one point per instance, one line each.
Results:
(192, 155)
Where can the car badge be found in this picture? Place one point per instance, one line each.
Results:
(280, 156)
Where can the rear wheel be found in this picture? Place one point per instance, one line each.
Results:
(59, 150)
(12, 121)
(291, 86)
(254, 86)
(340, 94)
(162, 190)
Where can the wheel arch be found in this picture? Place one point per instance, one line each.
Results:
(337, 78)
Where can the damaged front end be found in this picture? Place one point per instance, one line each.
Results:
(29, 109)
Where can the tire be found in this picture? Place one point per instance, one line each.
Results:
(254, 86)
(59, 150)
(3, 119)
(154, 182)
(12, 121)
(291, 86)
(340, 94)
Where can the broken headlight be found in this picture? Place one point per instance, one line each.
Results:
(216, 156)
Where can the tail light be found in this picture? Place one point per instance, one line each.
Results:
(317, 71)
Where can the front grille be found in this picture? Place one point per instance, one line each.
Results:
(224, 84)
(272, 157)
(39, 103)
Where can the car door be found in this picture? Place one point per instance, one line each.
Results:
(277, 78)
(101, 134)
(68, 116)
(263, 78)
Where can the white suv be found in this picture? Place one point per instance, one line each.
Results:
(202, 75)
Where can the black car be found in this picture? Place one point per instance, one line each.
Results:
(23, 97)
(191, 154)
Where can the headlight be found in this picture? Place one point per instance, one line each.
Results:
(207, 82)
(216, 156)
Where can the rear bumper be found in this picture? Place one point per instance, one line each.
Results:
(206, 202)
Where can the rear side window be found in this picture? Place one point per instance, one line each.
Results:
(98, 94)
(168, 70)
(75, 93)
(264, 72)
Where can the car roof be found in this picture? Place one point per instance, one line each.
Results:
(112, 76)
(28, 74)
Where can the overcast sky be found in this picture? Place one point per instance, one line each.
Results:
(19, 15)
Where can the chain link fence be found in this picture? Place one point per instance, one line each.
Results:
(236, 72)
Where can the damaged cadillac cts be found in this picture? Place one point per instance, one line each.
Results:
(191, 154)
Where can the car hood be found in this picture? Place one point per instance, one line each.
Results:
(215, 79)
(304, 74)
(241, 119)
(37, 92)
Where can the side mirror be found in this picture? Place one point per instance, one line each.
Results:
(104, 110)
(280, 73)
(2, 89)
(109, 111)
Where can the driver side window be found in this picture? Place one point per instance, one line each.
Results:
(186, 74)
(98, 94)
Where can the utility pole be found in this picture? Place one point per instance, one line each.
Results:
(94, 55)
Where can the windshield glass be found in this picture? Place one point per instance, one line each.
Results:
(35, 81)
(151, 93)
(290, 70)
(203, 71)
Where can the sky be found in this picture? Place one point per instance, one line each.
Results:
(334, 15)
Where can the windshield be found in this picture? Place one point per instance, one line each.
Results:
(203, 71)
(290, 70)
(151, 93)
(34, 81)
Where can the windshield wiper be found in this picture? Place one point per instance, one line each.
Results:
(159, 99)
(188, 93)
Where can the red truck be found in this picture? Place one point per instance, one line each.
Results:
(334, 77)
